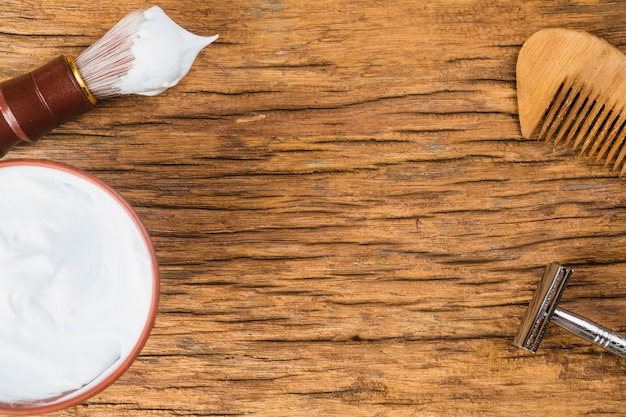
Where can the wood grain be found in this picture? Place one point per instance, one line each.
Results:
(347, 218)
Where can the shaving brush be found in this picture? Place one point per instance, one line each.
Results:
(144, 53)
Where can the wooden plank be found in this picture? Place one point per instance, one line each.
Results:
(347, 218)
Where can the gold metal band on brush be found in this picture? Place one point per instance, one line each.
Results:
(80, 80)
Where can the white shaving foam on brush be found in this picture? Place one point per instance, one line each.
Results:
(156, 54)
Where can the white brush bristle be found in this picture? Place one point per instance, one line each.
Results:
(111, 57)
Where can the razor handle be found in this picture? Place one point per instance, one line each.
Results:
(590, 331)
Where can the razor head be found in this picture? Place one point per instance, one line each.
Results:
(542, 306)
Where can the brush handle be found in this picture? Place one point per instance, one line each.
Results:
(590, 331)
(34, 104)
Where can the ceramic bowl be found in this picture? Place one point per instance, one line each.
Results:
(145, 314)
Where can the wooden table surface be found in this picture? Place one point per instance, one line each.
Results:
(347, 218)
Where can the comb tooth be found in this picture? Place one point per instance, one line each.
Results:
(582, 115)
(613, 141)
(558, 120)
(553, 108)
(572, 112)
(623, 170)
(620, 160)
(618, 146)
(596, 126)
(589, 120)
(603, 134)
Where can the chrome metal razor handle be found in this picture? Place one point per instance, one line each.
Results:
(590, 331)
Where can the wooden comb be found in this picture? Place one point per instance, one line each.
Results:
(571, 91)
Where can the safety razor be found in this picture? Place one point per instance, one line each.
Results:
(543, 309)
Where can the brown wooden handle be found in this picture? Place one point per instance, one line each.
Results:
(34, 104)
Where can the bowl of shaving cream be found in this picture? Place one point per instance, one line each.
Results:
(79, 286)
